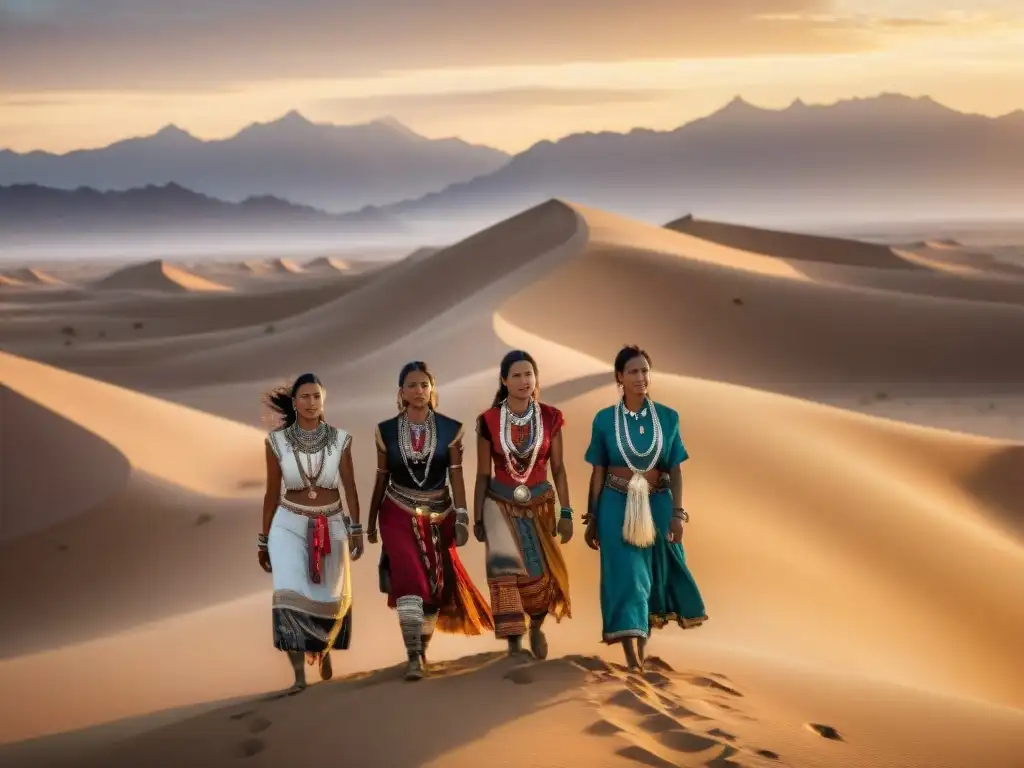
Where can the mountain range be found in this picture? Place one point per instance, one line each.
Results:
(31, 210)
(334, 167)
(886, 158)
(877, 158)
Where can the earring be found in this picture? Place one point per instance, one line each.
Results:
(622, 389)
(399, 403)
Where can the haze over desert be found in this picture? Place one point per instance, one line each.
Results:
(861, 561)
(796, 506)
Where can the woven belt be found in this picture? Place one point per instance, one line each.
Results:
(621, 484)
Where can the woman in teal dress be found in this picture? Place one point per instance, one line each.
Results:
(635, 516)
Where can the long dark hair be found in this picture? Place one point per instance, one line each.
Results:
(282, 400)
(421, 367)
(626, 354)
(513, 357)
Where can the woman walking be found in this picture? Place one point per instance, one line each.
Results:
(419, 500)
(514, 507)
(306, 541)
(635, 515)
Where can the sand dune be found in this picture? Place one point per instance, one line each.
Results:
(30, 276)
(142, 483)
(9, 282)
(862, 574)
(157, 276)
(329, 263)
(787, 245)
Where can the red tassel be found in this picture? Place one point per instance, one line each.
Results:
(320, 545)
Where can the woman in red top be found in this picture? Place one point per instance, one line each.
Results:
(515, 506)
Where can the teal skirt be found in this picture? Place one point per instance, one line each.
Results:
(644, 588)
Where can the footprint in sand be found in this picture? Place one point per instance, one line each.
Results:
(243, 715)
(646, 710)
(709, 682)
(250, 747)
(258, 725)
(520, 676)
(825, 731)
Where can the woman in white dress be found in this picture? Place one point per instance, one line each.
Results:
(307, 542)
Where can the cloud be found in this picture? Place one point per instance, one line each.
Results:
(153, 44)
(503, 98)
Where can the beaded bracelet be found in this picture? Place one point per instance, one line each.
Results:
(566, 513)
(681, 514)
(461, 517)
(355, 529)
(261, 541)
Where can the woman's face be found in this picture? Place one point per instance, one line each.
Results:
(522, 380)
(416, 389)
(309, 401)
(636, 376)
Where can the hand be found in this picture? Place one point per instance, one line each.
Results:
(461, 534)
(372, 536)
(264, 558)
(355, 545)
(564, 529)
(675, 531)
(590, 534)
(480, 532)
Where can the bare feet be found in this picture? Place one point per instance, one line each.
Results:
(632, 662)
(538, 642)
(641, 650)
(326, 669)
(515, 645)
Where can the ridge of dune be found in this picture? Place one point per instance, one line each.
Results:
(138, 514)
(196, 451)
(522, 249)
(284, 266)
(790, 245)
(732, 316)
(33, 276)
(9, 282)
(160, 276)
(329, 263)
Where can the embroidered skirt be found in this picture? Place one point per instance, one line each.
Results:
(525, 568)
(419, 558)
(310, 615)
(648, 588)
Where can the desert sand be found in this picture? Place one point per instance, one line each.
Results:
(855, 413)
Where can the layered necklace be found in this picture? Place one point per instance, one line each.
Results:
(622, 427)
(520, 461)
(418, 449)
(311, 444)
(637, 415)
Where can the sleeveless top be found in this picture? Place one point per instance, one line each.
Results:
(489, 428)
(291, 478)
(449, 434)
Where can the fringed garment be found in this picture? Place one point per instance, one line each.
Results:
(642, 588)
(526, 572)
(420, 568)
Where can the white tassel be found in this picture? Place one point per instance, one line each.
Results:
(638, 524)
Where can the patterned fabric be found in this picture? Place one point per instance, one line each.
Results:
(488, 427)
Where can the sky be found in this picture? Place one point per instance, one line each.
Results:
(85, 73)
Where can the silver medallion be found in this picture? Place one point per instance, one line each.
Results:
(521, 493)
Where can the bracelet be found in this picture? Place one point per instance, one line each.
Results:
(261, 542)
(461, 517)
(566, 513)
(455, 466)
(680, 514)
(355, 529)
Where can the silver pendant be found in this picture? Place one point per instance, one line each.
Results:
(641, 429)
(521, 493)
(312, 494)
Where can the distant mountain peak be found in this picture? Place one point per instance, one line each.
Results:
(392, 122)
(172, 131)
